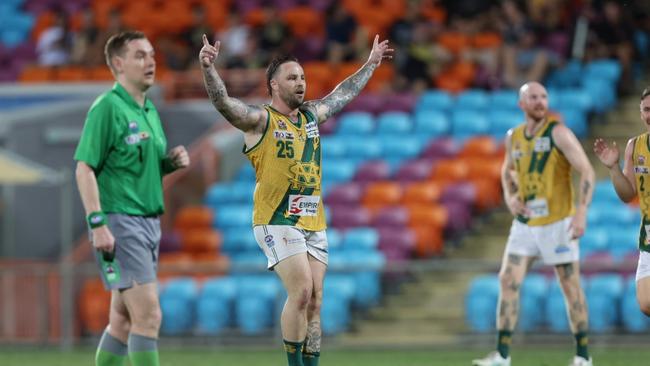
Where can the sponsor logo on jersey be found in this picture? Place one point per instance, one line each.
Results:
(641, 169)
(282, 125)
(542, 144)
(133, 126)
(132, 139)
(641, 160)
(144, 135)
(312, 130)
(283, 135)
(300, 205)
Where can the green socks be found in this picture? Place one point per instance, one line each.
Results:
(310, 358)
(110, 351)
(294, 353)
(504, 338)
(582, 341)
(143, 351)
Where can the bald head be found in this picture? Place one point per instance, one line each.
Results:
(533, 100)
(531, 87)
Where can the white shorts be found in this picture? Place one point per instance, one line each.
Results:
(552, 242)
(281, 241)
(643, 268)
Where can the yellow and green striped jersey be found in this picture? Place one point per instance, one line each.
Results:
(543, 175)
(640, 160)
(287, 162)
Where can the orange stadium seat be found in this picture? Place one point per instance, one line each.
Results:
(44, 21)
(449, 82)
(423, 214)
(428, 241)
(255, 18)
(488, 193)
(453, 170)
(100, 73)
(381, 78)
(421, 193)
(455, 42)
(319, 79)
(486, 40)
(463, 71)
(36, 74)
(486, 167)
(94, 305)
(381, 194)
(303, 21)
(193, 217)
(344, 70)
(479, 147)
(200, 241)
(102, 9)
(430, 10)
(72, 73)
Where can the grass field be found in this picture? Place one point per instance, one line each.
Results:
(558, 356)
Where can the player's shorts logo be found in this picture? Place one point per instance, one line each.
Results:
(269, 241)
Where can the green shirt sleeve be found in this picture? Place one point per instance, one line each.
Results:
(98, 134)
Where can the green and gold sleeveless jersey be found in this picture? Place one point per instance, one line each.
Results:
(288, 173)
(641, 159)
(544, 175)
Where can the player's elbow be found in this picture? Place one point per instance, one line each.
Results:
(82, 171)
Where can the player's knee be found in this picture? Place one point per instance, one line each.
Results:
(316, 301)
(151, 319)
(507, 283)
(304, 298)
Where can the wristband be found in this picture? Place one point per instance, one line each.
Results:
(96, 219)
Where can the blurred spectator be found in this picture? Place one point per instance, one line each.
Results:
(613, 36)
(115, 25)
(523, 58)
(274, 36)
(343, 34)
(55, 43)
(85, 41)
(192, 37)
(236, 42)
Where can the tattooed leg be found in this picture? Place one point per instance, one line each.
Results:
(513, 271)
(569, 276)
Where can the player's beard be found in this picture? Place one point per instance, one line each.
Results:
(292, 100)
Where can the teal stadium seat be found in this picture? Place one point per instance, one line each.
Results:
(215, 305)
(394, 124)
(604, 293)
(481, 303)
(631, 316)
(338, 291)
(233, 215)
(532, 299)
(467, 123)
(430, 124)
(256, 303)
(507, 99)
(365, 238)
(177, 302)
(355, 123)
(436, 100)
(472, 99)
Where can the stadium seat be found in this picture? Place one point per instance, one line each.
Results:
(338, 290)
(256, 302)
(504, 100)
(338, 170)
(467, 123)
(201, 240)
(360, 238)
(400, 148)
(555, 311)
(414, 170)
(220, 194)
(478, 147)
(398, 102)
(94, 304)
(394, 123)
(372, 171)
(441, 148)
(231, 215)
(246, 173)
(345, 194)
(623, 241)
(430, 215)
(501, 120)
(604, 293)
(453, 170)
(360, 148)
(431, 124)
(238, 239)
(390, 216)
(595, 240)
(575, 120)
(193, 217)
(481, 303)
(575, 98)
(434, 100)
(610, 70)
(356, 123)
(532, 299)
(601, 90)
(345, 217)
(631, 316)
(474, 99)
(215, 304)
(382, 194)
(421, 193)
(604, 191)
(332, 148)
(177, 302)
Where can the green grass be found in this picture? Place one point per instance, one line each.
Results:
(538, 356)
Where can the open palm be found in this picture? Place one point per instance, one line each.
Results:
(607, 154)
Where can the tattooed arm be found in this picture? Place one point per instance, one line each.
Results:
(242, 116)
(350, 87)
(508, 183)
(567, 142)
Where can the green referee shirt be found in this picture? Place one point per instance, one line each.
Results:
(126, 147)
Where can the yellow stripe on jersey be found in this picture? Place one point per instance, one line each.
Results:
(544, 175)
(287, 172)
(640, 161)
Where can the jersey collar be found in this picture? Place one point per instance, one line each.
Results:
(122, 93)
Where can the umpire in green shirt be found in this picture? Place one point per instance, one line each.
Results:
(121, 160)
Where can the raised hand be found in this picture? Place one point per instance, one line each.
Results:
(179, 157)
(379, 51)
(608, 155)
(208, 54)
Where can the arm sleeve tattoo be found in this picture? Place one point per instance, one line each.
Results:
(235, 111)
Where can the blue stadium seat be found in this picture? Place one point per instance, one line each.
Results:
(400, 147)
(246, 173)
(567, 76)
(363, 148)
(215, 305)
(604, 192)
(256, 303)
(394, 123)
(575, 98)
(467, 123)
(604, 293)
(355, 123)
(238, 239)
(631, 316)
(364, 266)
(481, 303)
(248, 261)
(623, 241)
(501, 120)
(575, 120)
(602, 91)
(332, 147)
(361, 238)
(472, 99)
(431, 123)
(435, 99)
(334, 239)
(177, 302)
(230, 193)
(233, 215)
(555, 311)
(504, 99)
(338, 170)
(532, 299)
(595, 240)
(338, 292)
(608, 69)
